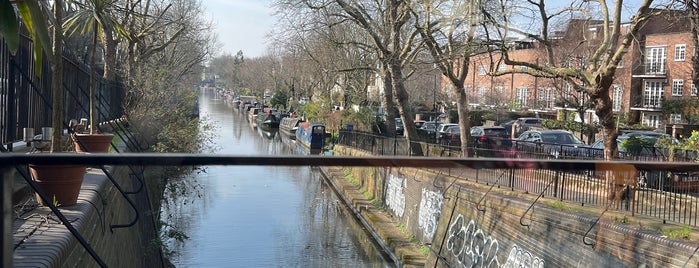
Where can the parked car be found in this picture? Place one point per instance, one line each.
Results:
(491, 141)
(399, 126)
(644, 148)
(441, 129)
(451, 136)
(418, 123)
(525, 123)
(428, 130)
(508, 126)
(550, 143)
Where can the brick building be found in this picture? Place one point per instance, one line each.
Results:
(657, 67)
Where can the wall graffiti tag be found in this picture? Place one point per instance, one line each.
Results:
(521, 258)
(471, 247)
(395, 198)
(430, 210)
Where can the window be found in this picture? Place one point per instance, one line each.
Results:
(481, 70)
(481, 94)
(680, 52)
(653, 94)
(655, 60)
(677, 87)
(546, 98)
(651, 120)
(522, 95)
(616, 98)
(499, 90)
(675, 118)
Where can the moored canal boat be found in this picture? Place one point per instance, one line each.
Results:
(267, 121)
(288, 126)
(311, 135)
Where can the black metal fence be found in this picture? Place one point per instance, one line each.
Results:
(650, 191)
(25, 99)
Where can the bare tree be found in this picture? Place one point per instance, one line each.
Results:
(384, 24)
(593, 74)
(449, 29)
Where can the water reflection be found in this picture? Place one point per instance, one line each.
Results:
(253, 216)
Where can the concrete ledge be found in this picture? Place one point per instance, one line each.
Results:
(41, 240)
(379, 222)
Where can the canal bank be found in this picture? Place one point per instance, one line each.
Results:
(466, 223)
(398, 244)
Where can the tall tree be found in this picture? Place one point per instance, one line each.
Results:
(57, 78)
(389, 38)
(448, 29)
(593, 76)
(94, 18)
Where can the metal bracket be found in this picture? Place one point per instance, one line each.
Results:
(521, 219)
(478, 205)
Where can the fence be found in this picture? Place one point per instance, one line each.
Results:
(25, 99)
(650, 190)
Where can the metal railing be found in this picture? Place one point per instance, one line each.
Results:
(23, 95)
(25, 103)
(650, 188)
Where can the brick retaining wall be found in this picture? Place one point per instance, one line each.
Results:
(440, 208)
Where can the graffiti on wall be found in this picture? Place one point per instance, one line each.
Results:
(471, 247)
(430, 209)
(519, 257)
(395, 197)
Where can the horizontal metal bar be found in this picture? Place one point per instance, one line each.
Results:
(162, 159)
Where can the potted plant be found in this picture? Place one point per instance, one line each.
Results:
(94, 18)
(60, 183)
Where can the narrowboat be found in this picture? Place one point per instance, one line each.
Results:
(252, 116)
(267, 121)
(311, 135)
(288, 126)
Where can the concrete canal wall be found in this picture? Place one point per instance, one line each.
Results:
(465, 228)
(42, 241)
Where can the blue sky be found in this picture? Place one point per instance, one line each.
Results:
(241, 24)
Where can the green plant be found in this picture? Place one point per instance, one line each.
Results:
(32, 16)
(681, 233)
(55, 201)
(622, 220)
(424, 250)
(635, 145)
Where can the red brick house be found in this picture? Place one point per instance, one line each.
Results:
(657, 67)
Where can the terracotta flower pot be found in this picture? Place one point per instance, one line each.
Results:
(60, 182)
(93, 143)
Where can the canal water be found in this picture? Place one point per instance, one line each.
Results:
(261, 216)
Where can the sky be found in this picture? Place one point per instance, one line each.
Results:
(241, 24)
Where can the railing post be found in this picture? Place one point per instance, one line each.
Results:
(555, 184)
(7, 177)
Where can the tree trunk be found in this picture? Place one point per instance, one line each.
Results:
(110, 50)
(388, 100)
(57, 80)
(403, 102)
(464, 120)
(93, 51)
(603, 109)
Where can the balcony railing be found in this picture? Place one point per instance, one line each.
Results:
(655, 68)
(653, 102)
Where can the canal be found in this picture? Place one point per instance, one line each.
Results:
(259, 216)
